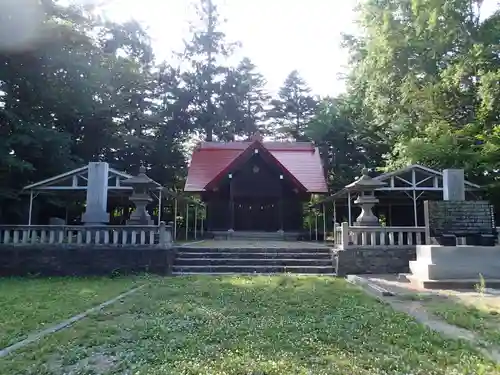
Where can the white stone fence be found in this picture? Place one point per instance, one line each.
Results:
(378, 237)
(110, 235)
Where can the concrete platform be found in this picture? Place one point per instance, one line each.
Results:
(453, 284)
(456, 262)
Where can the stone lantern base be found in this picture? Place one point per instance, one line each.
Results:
(366, 218)
(140, 215)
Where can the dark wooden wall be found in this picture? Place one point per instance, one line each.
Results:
(255, 185)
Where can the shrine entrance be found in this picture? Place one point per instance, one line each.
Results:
(257, 214)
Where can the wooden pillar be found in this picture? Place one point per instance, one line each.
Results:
(389, 219)
(207, 215)
(349, 213)
(204, 213)
(324, 222)
(231, 202)
(195, 219)
(316, 224)
(281, 204)
(175, 219)
(187, 219)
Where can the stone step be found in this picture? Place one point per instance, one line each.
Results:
(247, 274)
(194, 249)
(237, 237)
(282, 262)
(254, 255)
(451, 271)
(255, 269)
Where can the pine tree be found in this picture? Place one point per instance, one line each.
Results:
(293, 108)
(245, 99)
(207, 52)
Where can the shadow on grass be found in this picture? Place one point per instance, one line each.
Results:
(253, 325)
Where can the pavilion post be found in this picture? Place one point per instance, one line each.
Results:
(310, 224)
(316, 224)
(281, 204)
(195, 220)
(414, 184)
(202, 216)
(349, 207)
(334, 213)
(324, 223)
(159, 207)
(415, 218)
(31, 207)
(175, 218)
(281, 213)
(231, 203)
(187, 219)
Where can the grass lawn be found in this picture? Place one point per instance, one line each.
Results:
(248, 326)
(27, 305)
(480, 314)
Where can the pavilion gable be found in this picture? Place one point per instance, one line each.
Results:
(416, 177)
(76, 179)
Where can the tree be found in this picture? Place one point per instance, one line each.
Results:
(245, 100)
(424, 71)
(342, 142)
(84, 90)
(293, 108)
(207, 52)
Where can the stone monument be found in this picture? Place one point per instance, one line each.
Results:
(141, 187)
(453, 185)
(365, 187)
(97, 195)
(441, 260)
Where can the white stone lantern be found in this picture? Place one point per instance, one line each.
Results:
(365, 187)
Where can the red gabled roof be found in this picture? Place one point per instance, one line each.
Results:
(301, 159)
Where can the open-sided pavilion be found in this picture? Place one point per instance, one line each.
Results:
(73, 185)
(400, 200)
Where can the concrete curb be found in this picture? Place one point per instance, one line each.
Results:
(190, 243)
(374, 288)
(32, 337)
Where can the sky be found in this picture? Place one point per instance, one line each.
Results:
(277, 35)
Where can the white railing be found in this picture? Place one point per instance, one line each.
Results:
(85, 235)
(378, 237)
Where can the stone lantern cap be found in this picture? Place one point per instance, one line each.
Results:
(365, 183)
(141, 179)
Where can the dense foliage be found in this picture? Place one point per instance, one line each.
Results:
(422, 88)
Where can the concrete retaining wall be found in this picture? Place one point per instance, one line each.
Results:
(365, 260)
(84, 260)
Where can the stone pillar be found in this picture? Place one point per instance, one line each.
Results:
(454, 189)
(97, 194)
(453, 185)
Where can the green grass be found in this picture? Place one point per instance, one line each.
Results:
(32, 304)
(476, 316)
(248, 326)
